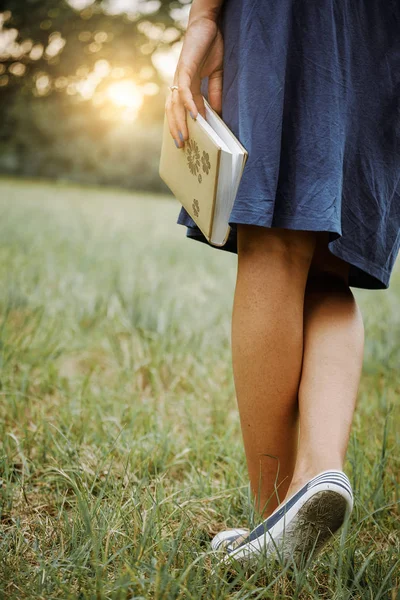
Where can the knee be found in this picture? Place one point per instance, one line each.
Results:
(290, 246)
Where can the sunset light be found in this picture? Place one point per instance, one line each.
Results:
(125, 94)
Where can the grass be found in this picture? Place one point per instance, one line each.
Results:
(121, 452)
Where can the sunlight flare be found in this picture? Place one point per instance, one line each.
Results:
(125, 94)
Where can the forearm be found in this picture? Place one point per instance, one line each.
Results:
(204, 9)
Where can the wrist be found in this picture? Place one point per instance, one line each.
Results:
(199, 12)
(202, 18)
(203, 22)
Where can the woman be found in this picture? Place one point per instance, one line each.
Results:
(311, 88)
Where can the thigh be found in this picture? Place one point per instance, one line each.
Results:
(261, 241)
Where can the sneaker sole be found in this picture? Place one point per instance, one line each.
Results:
(315, 523)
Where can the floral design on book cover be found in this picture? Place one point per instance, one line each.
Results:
(196, 207)
(205, 161)
(195, 162)
(193, 156)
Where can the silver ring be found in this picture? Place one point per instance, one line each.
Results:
(173, 87)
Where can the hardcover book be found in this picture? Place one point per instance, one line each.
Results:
(204, 174)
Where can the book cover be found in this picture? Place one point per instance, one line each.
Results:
(191, 172)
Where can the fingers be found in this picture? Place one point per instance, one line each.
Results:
(176, 115)
(184, 99)
(177, 105)
(198, 97)
(185, 83)
(173, 129)
(199, 100)
(215, 91)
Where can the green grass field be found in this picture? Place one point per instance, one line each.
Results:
(121, 451)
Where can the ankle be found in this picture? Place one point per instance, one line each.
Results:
(306, 469)
(303, 474)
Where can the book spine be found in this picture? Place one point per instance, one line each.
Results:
(214, 202)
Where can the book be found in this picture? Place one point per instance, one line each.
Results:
(205, 173)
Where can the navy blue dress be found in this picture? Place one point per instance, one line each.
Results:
(312, 90)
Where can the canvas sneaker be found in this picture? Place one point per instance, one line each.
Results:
(297, 529)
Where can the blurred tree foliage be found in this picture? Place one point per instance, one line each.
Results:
(58, 58)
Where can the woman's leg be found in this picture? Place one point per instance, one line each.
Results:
(267, 351)
(332, 364)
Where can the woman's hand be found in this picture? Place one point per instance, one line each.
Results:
(201, 56)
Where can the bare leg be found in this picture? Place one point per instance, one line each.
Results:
(267, 350)
(332, 364)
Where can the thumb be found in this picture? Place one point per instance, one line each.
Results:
(215, 91)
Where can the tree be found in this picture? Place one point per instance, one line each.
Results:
(53, 38)
(64, 58)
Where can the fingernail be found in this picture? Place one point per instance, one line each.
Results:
(191, 114)
(176, 143)
(181, 136)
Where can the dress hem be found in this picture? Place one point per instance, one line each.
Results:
(362, 274)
